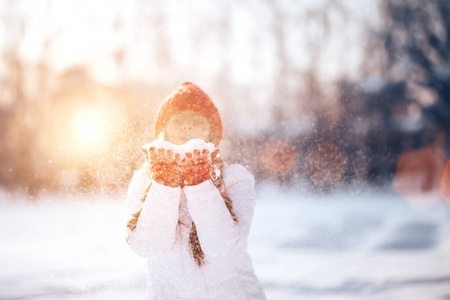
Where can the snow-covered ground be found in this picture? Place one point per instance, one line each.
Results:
(367, 245)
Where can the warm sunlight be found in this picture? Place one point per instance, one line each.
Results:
(90, 128)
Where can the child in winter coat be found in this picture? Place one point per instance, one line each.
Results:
(190, 215)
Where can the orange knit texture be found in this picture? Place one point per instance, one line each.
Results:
(189, 96)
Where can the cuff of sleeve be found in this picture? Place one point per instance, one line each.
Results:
(201, 186)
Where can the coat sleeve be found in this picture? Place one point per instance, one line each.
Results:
(216, 229)
(156, 226)
(136, 190)
(240, 187)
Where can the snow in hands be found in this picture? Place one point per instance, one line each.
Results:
(182, 150)
(181, 165)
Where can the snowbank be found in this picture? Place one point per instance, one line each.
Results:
(364, 246)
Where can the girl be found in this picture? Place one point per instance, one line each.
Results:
(191, 217)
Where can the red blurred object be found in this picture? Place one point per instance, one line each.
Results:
(325, 164)
(279, 158)
(444, 189)
(418, 175)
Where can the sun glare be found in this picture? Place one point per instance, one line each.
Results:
(89, 128)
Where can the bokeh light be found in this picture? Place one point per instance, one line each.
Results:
(444, 189)
(418, 175)
(325, 164)
(278, 158)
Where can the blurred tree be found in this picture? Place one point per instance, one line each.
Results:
(414, 46)
(302, 37)
(26, 89)
(17, 123)
(152, 21)
(282, 71)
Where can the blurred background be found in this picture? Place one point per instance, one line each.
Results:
(81, 82)
(318, 98)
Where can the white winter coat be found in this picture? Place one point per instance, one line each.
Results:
(227, 272)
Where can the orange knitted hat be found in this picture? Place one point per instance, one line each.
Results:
(190, 97)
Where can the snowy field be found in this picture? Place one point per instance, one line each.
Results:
(368, 245)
